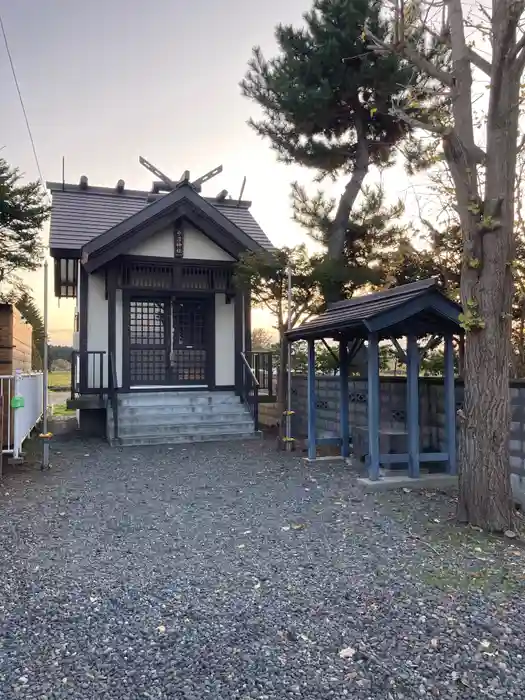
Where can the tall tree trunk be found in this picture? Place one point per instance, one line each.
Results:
(337, 237)
(486, 289)
(488, 246)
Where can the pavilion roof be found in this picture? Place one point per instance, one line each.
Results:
(419, 308)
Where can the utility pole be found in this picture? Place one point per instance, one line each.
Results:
(45, 435)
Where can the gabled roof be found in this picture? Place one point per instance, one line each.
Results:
(80, 215)
(419, 308)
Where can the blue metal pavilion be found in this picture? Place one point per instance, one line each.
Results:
(413, 311)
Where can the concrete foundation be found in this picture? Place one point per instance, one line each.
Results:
(391, 482)
(325, 459)
(92, 422)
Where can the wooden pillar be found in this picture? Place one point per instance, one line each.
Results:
(112, 324)
(238, 313)
(247, 308)
(83, 303)
(450, 405)
(312, 401)
(343, 398)
(412, 406)
(373, 406)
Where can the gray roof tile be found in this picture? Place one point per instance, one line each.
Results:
(79, 216)
(355, 312)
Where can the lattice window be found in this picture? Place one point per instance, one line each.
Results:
(188, 324)
(147, 323)
(179, 243)
(66, 277)
(189, 365)
(188, 360)
(147, 366)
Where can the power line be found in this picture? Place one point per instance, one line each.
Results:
(22, 102)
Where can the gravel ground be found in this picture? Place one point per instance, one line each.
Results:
(237, 572)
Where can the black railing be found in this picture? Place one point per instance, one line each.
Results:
(250, 390)
(261, 364)
(87, 373)
(112, 393)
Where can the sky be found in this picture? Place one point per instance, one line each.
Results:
(108, 80)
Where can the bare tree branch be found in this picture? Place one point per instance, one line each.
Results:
(476, 152)
(480, 62)
(518, 55)
(413, 56)
(418, 124)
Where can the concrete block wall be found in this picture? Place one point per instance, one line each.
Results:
(393, 412)
(392, 404)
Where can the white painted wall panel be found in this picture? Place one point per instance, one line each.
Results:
(97, 331)
(197, 246)
(161, 245)
(224, 341)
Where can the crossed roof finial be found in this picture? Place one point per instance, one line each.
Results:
(166, 183)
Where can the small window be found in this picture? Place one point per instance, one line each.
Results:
(179, 243)
(66, 277)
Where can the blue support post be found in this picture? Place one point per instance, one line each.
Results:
(312, 403)
(413, 406)
(450, 405)
(343, 398)
(373, 406)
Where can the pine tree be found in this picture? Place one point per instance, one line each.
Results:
(30, 312)
(22, 214)
(266, 276)
(327, 101)
(378, 249)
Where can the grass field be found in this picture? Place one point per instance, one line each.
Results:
(59, 381)
(62, 410)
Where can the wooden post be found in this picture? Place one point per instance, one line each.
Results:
(373, 406)
(450, 405)
(238, 315)
(83, 303)
(343, 398)
(112, 328)
(412, 406)
(312, 402)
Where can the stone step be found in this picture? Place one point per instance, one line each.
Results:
(180, 412)
(183, 398)
(185, 439)
(208, 428)
(144, 419)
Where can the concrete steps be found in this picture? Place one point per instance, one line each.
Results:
(164, 418)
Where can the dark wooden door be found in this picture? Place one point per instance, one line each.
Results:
(189, 356)
(149, 341)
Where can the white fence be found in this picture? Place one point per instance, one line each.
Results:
(19, 422)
